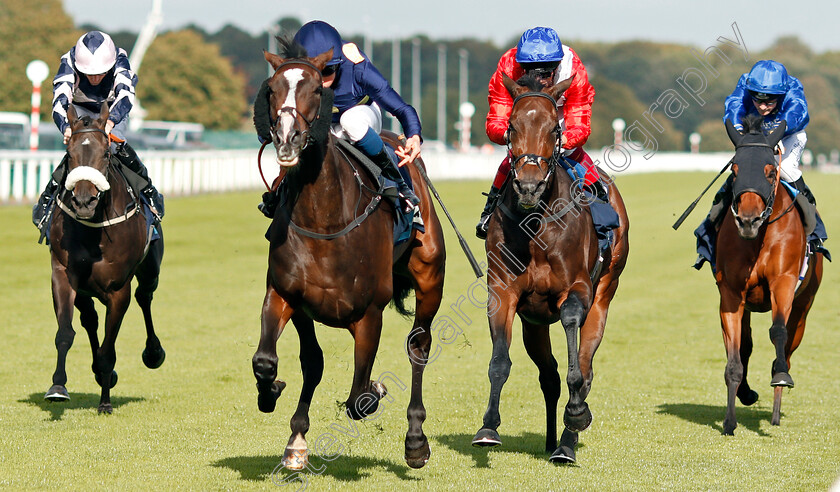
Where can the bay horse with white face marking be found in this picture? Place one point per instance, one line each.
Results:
(333, 260)
(761, 251)
(547, 276)
(99, 241)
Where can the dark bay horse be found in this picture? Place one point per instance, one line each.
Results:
(761, 251)
(98, 243)
(544, 274)
(332, 260)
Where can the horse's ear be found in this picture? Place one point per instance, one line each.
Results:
(321, 60)
(272, 59)
(734, 135)
(559, 88)
(509, 84)
(104, 112)
(776, 135)
(71, 114)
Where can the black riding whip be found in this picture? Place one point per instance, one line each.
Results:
(690, 208)
(464, 246)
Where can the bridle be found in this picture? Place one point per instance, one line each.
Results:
(530, 158)
(771, 200)
(108, 147)
(302, 135)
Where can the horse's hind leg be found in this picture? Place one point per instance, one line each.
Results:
(90, 322)
(365, 394)
(276, 312)
(538, 345)
(746, 394)
(117, 305)
(296, 454)
(63, 299)
(428, 292)
(147, 282)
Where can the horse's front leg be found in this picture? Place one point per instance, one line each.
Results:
(731, 313)
(116, 306)
(501, 319)
(296, 454)
(538, 345)
(577, 416)
(275, 314)
(147, 275)
(63, 298)
(781, 299)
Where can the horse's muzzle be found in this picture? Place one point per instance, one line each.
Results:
(528, 192)
(84, 205)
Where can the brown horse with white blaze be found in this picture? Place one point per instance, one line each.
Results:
(547, 276)
(761, 251)
(333, 260)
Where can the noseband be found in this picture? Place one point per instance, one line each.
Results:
(534, 159)
(108, 147)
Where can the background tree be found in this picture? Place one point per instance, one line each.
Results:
(184, 78)
(29, 31)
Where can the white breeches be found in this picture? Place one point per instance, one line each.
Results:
(354, 123)
(792, 147)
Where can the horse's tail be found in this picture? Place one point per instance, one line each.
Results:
(402, 288)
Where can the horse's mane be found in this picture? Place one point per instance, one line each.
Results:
(530, 83)
(288, 48)
(752, 123)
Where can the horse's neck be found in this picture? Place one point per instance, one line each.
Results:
(321, 185)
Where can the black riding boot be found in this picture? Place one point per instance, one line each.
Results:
(390, 171)
(129, 158)
(39, 211)
(811, 220)
(489, 207)
(721, 201)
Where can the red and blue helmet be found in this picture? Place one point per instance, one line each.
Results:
(768, 79)
(319, 37)
(539, 45)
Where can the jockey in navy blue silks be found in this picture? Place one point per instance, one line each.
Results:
(769, 91)
(92, 73)
(360, 90)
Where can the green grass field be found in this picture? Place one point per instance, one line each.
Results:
(658, 397)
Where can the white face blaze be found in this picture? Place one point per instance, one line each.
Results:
(287, 119)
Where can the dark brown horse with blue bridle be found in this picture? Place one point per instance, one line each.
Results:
(761, 251)
(548, 273)
(99, 241)
(332, 259)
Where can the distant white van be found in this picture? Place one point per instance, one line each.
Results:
(14, 130)
(171, 134)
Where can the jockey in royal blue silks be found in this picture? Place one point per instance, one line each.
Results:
(92, 73)
(360, 90)
(769, 91)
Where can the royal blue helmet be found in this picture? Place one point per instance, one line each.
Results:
(539, 45)
(768, 77)
(319, 37)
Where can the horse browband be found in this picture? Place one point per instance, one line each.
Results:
(530, 94)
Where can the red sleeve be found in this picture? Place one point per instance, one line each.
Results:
(577, 110)
(499, 98)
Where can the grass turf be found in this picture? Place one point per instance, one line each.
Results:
(658, 397)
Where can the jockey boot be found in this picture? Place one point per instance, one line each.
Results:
(129, 158)
(389, 170)
(807, 205)
(707, 231)
(721, 201)
(489, 207)
(41, 209)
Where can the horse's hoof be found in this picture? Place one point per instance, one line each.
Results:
(295, 459)
(749, 398)
(580, 422)
(417, 458)
(729, 428)
(782, 379)
(153, 358)
(487, 438)
(267, 398)
(57, 393)
(105, 408)
(563, 455)
(113, 379)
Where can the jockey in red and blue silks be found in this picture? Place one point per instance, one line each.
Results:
(540, 54)
(769, 91)
(360, 90)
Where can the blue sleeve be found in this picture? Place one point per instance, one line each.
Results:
(63, 82)
(124, 82)
(383, 94)
(735, 106)
(794, 108)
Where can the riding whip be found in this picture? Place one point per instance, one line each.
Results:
(690, 208)
(464, 246)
